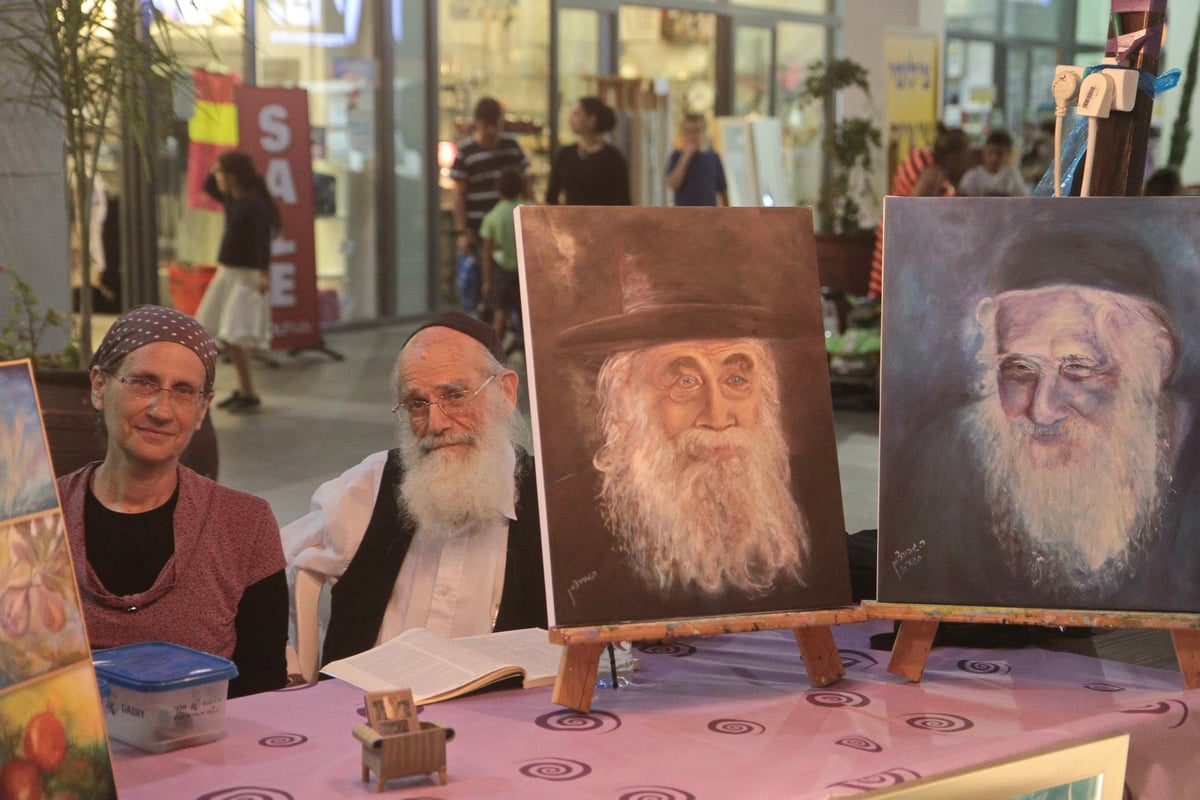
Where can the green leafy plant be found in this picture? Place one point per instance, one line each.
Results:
(23, 333)
(850, 143)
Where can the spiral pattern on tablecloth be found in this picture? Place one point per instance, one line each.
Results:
(1103, 687)
(984, 667)
(827, 698)
(860, 743)
(664, 649)
(283, 740)
(247, 793)
(737, 727)
(574, 722)
(553, 768)
(939, 722)
(655, 793)
(1161, 707)
(857, 658)
(891, 777)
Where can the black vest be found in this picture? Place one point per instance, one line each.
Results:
(360, 597)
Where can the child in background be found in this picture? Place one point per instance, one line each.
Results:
(501, 287)
(996, 176)
(694, 171)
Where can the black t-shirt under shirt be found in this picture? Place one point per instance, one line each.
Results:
(128, 551)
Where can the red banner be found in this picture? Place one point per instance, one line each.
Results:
(273, 130)
(212, 130)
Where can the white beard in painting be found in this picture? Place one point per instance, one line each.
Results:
(705, 510)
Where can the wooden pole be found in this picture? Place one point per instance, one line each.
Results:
(1135, 31)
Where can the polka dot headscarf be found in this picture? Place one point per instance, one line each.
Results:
(142, 325)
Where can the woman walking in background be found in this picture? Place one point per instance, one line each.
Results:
(590, 172)
(235, 308)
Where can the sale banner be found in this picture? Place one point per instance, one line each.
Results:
(273, 130)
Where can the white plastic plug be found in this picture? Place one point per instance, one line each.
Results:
(1065, 86)
(1125, 87)
(1096, 95)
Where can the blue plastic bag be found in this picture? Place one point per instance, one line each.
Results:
(468, 280)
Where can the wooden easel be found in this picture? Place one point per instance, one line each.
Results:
(583, 645)
(918, 624)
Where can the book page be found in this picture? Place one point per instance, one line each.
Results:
(435, 667)
(530, 648)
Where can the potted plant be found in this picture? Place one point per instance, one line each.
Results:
(89, 65)
(844, 247)
(849, 143)
(25, 329)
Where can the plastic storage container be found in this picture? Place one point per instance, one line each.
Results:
(163, 696)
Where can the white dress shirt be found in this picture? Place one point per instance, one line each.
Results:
(450, 581)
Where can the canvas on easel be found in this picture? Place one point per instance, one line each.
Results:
(54, 741)
(1038, 446)
(684, 444)
(732, 141)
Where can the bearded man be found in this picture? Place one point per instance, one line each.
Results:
(690, 501)
(695, 482)
(1062, 492)
(1072, 435)
(441, 532)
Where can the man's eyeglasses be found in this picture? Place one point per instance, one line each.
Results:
(450, 403)
(181, 393)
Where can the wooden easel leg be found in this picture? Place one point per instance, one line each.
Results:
(911, 650)
(819, 651)
(577, 676)
(1187, 652)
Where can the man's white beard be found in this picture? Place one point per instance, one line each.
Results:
(447, 489)
(1075, 513)
(691, 522)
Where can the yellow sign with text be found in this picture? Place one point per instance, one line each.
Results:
(912, 84)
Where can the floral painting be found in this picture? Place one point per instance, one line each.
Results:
(40, 618)
(52, 738)
(52, 735)
(26, 476)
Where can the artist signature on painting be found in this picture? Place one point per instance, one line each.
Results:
(906, 559)
(579, 582)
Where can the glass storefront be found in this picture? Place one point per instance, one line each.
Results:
(332, 56)
(1000, 57)
(334, 52)
(388, 107)
(797, 46)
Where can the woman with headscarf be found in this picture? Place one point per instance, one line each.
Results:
(230, 309)
(590, 172)
(160, 552)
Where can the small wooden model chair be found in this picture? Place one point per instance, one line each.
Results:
(399, 755)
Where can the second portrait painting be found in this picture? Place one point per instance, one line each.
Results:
(683, 424)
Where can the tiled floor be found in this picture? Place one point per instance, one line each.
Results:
(321, 416)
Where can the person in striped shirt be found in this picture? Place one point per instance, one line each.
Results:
(481, 159)
(927, 172)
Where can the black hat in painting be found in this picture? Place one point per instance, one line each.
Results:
(659, 306)
(1089, 254)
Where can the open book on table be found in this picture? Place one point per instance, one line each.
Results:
(436, 668)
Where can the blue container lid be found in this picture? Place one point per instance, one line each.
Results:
(160, 666)
(105, 689)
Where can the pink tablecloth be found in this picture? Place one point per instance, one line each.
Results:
(727, 716)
